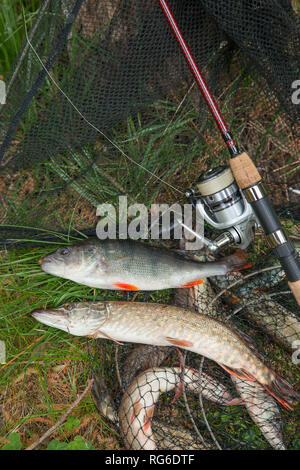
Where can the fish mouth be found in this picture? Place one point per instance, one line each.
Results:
(51, 317)
(43, 263)
(49, 266)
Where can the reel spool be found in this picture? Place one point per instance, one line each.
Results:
(222, 205)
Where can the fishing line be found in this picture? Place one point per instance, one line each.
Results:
(87, 121)
(32, 31)
(201, 404)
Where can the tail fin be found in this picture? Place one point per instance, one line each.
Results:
(240, 373)
(280, 389)
(283, 392)
(237, 261)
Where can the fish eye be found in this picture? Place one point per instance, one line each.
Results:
(64, 251)
(68, 306)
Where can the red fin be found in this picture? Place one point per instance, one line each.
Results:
(192, 283)
(240, 268)
(230, 299)
(240, 373)
(132, 418)
(280, 389)
(283, 392)
(238, 260)
(180, 357)
(148, 416)
(108, 337)
(179, 342)
(120, 285)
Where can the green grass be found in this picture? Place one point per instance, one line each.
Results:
(24, 287)
(12, 29)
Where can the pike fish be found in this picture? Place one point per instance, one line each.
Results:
(132, 265)
(263, 410)
(138, 403)
(167, 325)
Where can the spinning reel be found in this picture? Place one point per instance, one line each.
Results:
(223, 206)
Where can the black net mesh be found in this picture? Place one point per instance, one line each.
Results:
(115, 59)
(117, 113)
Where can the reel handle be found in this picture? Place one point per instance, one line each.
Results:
(249, 180)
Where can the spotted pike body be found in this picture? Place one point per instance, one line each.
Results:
(263, 410)
(132, 265)
(167, 325)
(138, 403)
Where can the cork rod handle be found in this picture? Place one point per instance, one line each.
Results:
(247, 175)
(295, 288)
(244, 171)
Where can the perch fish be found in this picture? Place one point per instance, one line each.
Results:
(133, 265)
(167, 325)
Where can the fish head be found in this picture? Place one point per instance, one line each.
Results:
(79, 319)
(75, 262)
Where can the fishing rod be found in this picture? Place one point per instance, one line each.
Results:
(224, 206)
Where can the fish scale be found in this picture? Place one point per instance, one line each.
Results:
(166, 325)
(132, 265)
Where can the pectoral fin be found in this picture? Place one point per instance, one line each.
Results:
(193, 283)
(123, 286)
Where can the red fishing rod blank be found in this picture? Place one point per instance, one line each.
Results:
(200, 80)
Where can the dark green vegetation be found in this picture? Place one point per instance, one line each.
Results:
(12, 29)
